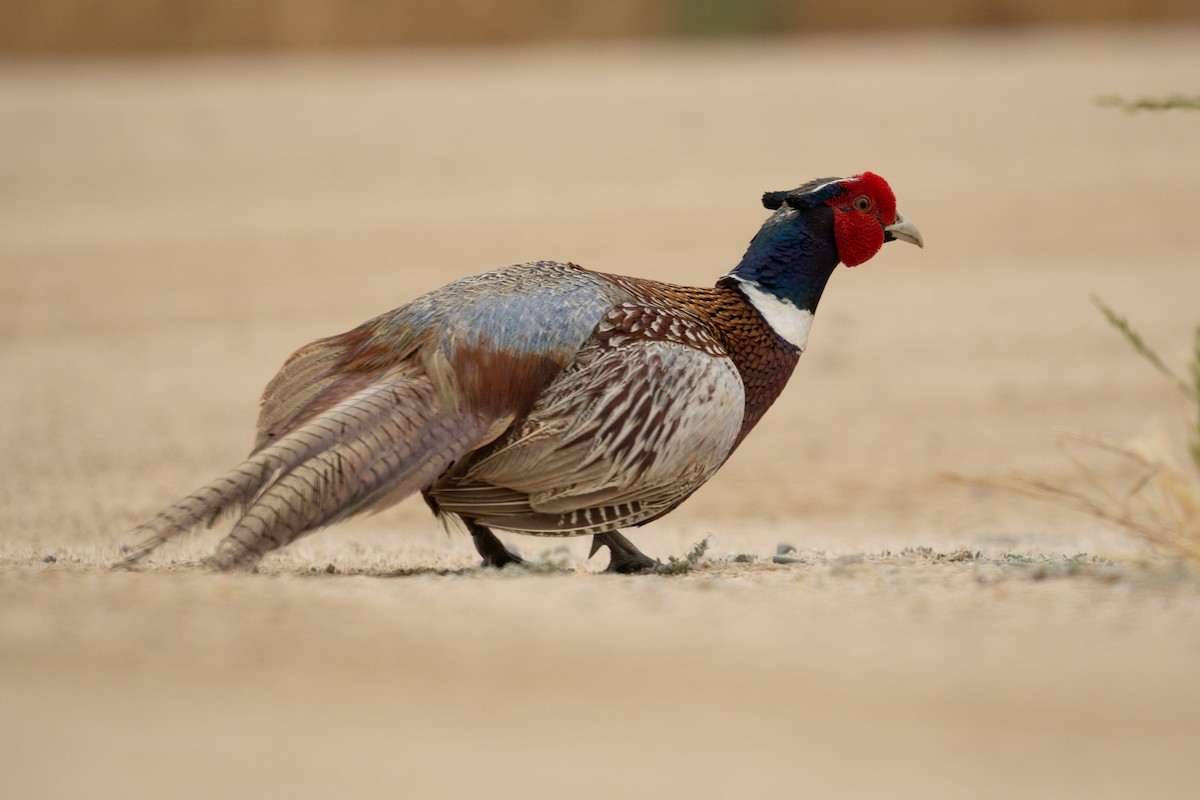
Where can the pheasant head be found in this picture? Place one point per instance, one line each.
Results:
(814, 228)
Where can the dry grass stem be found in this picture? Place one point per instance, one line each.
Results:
(1156, 500)
(1150, 497)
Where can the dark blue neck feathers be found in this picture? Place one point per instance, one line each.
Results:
(792, 256)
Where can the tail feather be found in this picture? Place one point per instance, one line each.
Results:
(369, 473)
(202, 507)
(332, 466)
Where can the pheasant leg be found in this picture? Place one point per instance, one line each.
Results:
(494, 553)
(624, 557)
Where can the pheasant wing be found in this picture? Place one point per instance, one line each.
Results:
(630, 428)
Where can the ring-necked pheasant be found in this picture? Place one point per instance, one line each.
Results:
(541, 398)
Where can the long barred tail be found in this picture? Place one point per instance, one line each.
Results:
(365, 453)
(203, 507)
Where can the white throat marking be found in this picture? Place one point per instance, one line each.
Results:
(791, 323)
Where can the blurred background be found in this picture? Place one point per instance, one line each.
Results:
(140, 26)
(194, 174)
(191, 190)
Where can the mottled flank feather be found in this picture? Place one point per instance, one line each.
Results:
(603, 449)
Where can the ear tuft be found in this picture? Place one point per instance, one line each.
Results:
(774, 200)
(814, 193)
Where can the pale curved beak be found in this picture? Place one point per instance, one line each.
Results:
(904, 231)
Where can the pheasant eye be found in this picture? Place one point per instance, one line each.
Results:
(862, 203)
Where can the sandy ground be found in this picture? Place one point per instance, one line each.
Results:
(171, 230)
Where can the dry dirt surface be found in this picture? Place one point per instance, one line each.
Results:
(171, 230)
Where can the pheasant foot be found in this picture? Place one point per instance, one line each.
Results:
(494, 553)
(624, 557)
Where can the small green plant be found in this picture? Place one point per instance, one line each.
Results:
(1169, 103)
(961, 554)
(682, 566)
(547, 562)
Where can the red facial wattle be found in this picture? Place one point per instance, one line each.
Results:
(859, 216)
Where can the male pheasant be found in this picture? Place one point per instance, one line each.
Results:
(541, 398)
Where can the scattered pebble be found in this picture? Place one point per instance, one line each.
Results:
(783, 548)
(49, 559)
(788, 559)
